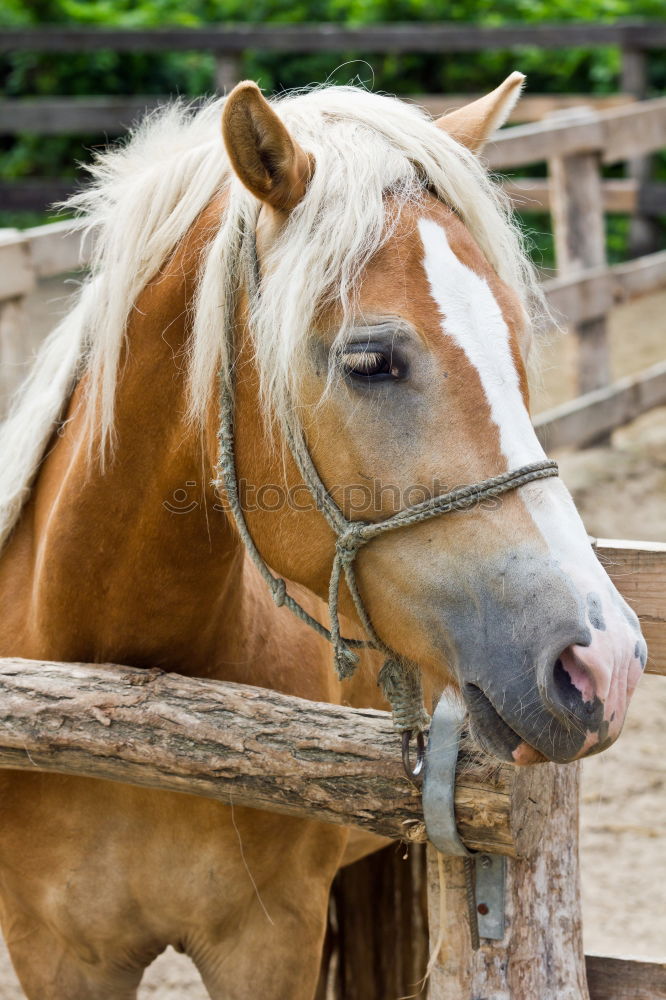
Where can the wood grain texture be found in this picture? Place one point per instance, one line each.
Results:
(69, 115)
(577, 211)
(540, 955)
(638, 570)
(582, 296)
(530, 194)
(113, 115)
(35, 194)
(13, 337)
(625, 979)
(615, 134)
(17, 275)
(438, 36)
(248, 745)
(645, 230)
(587, 418)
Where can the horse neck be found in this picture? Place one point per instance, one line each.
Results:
(110, 569)
(137, 564)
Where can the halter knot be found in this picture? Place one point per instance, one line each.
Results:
(279, 591)
(400, 683)
(349, 542)
(346, 660)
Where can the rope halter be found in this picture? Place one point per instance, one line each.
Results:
(399, 679)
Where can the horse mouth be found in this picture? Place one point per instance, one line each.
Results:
(493, 734)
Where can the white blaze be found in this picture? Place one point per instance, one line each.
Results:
(471, 316)
(473, 319)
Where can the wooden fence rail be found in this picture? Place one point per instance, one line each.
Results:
(615, 134)
(413, 36)
(251, 747)
(228, 42)
(270, 751)
(113, 115)
(594, 416)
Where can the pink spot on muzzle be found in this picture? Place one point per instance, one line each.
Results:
(525, 754)
(582, 674)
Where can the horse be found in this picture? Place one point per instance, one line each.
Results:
(340, 270)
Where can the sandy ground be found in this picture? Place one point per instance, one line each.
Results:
(621, 492)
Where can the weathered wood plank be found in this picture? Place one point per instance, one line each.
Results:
(113, 115)
(625, 979)
(228, 71)
(591, 416)
(63, 115)
(13, 337)
(616, 134)
(540, 956)
(17, 276)
(628, 135)
(624, 196)
(41, 252)
(644, 230)
(525, 144)
(263, 749)
(530, 108)
(530, 194)
(596, 290)
(438, 36)
(638, 570)
(58, 248)
(580, 242)
(34, 194)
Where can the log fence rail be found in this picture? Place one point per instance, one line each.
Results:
(270, 751)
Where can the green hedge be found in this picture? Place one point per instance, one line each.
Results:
(42, 74)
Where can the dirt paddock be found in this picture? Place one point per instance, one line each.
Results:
(621, 492)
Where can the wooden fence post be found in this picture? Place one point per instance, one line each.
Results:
(17, 279)
(577, 209)
(541, 954)
(378, 928)
(228, 71)
(13, 337)
(645, 231)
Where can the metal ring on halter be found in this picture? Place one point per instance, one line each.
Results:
(415, 774)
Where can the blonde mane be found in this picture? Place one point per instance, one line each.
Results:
(145, 196)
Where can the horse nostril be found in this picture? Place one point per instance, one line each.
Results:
(573, 689)
(567, 692)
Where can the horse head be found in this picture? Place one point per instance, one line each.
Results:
(391, 324)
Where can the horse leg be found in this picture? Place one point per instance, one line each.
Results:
(271, 961)
(49, 968)
(274, 950)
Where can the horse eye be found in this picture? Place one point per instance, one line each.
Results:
(368, 364)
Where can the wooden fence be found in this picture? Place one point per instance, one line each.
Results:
(228, 43)
(576, 144)
(209, 738)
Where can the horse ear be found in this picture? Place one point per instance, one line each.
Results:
(268, 161)
(474, 124)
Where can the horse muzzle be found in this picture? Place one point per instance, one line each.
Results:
(548, 673)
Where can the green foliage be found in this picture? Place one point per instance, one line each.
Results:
(573, 70)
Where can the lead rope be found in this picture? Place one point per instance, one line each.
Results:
(399, 679)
